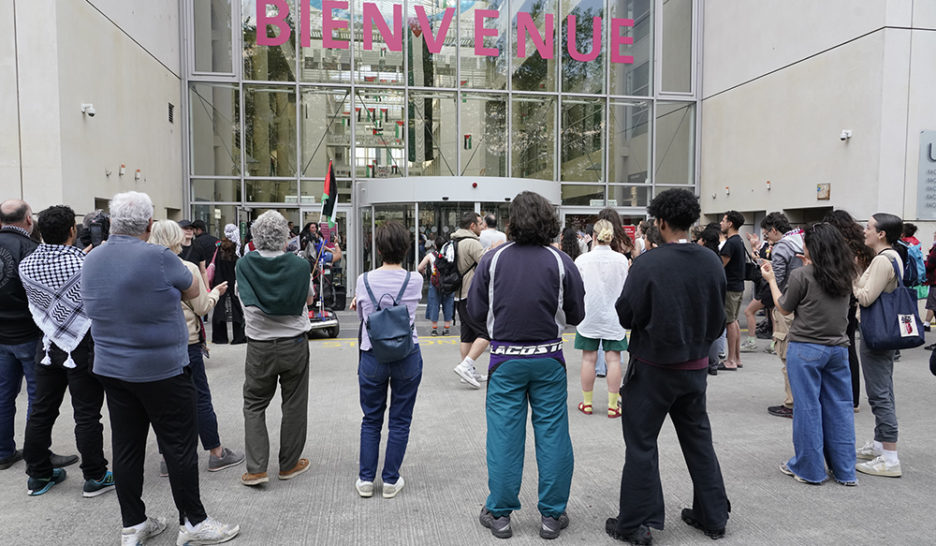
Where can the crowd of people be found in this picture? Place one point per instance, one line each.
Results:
(65, 325)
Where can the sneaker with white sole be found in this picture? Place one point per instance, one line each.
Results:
(93, 488)
(210, 531)
(480, 378)
(749, 346)
(467, 372)
(364, 489)
(867, 452)
(879, 467)
(499, 526)
(227, 459)
(390, 490)
(151, 527)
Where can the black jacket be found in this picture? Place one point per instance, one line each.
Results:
(674, 303)
(16, 323)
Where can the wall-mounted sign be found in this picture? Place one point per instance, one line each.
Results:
(334, 15)
(823, 192)
(926, 186)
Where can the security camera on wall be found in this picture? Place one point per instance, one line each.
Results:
(88, 109)
(845, 135)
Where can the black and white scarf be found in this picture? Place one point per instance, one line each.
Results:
(52, 278)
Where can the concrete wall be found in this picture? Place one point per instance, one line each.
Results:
(153, 25)
(9, 107)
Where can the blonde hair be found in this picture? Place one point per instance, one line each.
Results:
(604, 232)
(168, 234)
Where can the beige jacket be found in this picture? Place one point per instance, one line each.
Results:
(469, 254)
(879, 277)
(199, 306)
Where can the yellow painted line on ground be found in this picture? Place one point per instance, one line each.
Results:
(339, 342)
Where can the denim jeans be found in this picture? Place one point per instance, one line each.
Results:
(436, 298)
(16, 362)
(207, 420)
(402, 377)
(823, 418)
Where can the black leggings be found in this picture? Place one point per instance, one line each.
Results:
(853, 364)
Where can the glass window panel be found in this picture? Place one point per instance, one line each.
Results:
(533, 72)
(212, 36)
(312, 190)
(268, 63)
(633, 78)
(270, 130)
(325, 127)
(582, 157)
(318, 64)
(404, 214)
(427, 69)
(583, 76)
(378, 65)
(534, 137)
(676, 69)
(675, 143)
(272, 191)
(589, 195)
(628, 196)
(501, 212)
(379, 125)
(482, 71)
(367, 240)
(629, 144)
(484, 134)
(432, 140)
(218, 216)
(215, 126)
(216, 190)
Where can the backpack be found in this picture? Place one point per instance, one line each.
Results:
(914, 266)
(389, 328)
(450, 279)
(434, 273)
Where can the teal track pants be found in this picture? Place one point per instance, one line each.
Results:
(543, 383)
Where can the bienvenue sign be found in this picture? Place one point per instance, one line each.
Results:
(542, 39)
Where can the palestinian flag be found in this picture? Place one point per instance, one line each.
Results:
(329, 197)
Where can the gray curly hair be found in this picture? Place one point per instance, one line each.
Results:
(270, 231)
(130, 213)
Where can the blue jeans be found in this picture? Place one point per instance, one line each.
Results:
(403, 377)
(436, 298)
(16, 362)
(823, 417)
(207, 420)
(542, 383)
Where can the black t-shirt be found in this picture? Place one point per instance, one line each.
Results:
(190, 254)
(203, 247)
(734, 269)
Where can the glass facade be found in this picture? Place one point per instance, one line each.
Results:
(570, 92)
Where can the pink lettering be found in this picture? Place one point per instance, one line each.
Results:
(480, 32)
(596, 41)
(526, 29)
(617, 40)
(305, 33)
(434, 43)
(372, 15)
(329, 24)
(278, 20)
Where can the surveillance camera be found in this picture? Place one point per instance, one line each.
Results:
(845, 135)
(88, 109)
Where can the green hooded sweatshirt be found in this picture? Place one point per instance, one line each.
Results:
(277, 286)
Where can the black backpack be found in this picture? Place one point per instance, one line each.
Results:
(450, 279)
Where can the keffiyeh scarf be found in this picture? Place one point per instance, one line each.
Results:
(52, 278)
(233, 234)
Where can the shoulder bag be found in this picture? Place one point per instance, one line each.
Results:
(892, 321)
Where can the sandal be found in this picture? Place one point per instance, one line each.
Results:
(614, 413)
(586, 409)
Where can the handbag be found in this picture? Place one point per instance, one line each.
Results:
(389, 328)
(892, 321)
(752, 271)
(210, 270)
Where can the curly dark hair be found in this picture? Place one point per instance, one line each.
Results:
(393, 242)
(853, 234)
(678, 208)
(621, 242)
(569, 243)
(736, 218)
(533, 220)
(776, 220)
(832, 260)
(710, 236)
(55, 224)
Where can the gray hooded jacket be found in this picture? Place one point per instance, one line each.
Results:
(783, 256)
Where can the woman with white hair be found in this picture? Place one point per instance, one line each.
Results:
(168, 234)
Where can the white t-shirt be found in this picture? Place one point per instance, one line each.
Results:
(603, 273)
(490, 236)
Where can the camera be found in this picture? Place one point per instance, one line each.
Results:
(88, 109)
(845, 135)
(94, 229)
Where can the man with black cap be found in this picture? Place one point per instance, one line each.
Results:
(188, 249)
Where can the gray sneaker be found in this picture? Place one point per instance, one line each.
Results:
(552, 526)
(227, 459)
(500, 527)
(152, 527)
(210, 531)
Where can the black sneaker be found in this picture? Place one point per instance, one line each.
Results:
(689, 517)
(11, 460)
(552, 526)
(500, 527)
(926, 327)
(641, 535)
(38, 486)
(781, 411)
(59, 461)
(434, 332)
(93, 488)
(930, 347)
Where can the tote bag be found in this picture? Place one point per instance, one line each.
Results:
(892, 321)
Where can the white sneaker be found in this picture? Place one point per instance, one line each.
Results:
(867, 451)
(749, 346)
(467, 372)
(210, 531)
(879, 467)
(480, 378)
(390, 490)
(364, 489)
(152, 527)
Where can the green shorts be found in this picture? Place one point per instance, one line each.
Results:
(589, 344)
(732, 306)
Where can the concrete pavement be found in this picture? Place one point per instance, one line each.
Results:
(446, 479)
